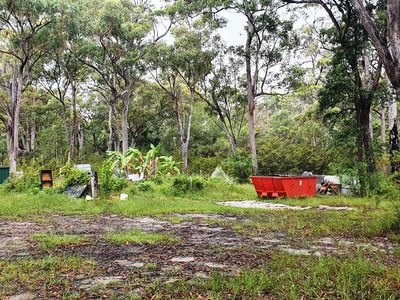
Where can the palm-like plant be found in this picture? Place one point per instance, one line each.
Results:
(150, 164)
(125, 162)
(169, 166)
(146, 166)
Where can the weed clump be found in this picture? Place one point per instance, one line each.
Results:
(183, 184)
(73, 176)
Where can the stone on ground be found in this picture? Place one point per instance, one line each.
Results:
(182, 259)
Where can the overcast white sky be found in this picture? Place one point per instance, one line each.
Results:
(234, 33)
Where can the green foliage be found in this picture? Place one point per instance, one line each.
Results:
(73, 176)
(146, 186)
(27, 180)
(183, 184)
(203, 165)
(149, 165)
(22, 183)
(347, 278)
(108, 181)
(124, 162)
(238, 167)
(50, 241)
(131, 188)
(168, 166)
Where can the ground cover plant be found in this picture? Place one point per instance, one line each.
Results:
(50, 241)
(135, 236)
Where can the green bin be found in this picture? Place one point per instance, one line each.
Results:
(4, 174)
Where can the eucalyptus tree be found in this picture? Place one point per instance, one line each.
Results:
(380, 20)
(60, 77)
(223, 92)
(26, 27)
(386, 39)
(117, 36)
(351, 82)
(152, 110)
(268, 38)
(178, 69)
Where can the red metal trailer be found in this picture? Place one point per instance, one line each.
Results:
(290, 187)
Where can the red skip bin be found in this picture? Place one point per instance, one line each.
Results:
(279, 187)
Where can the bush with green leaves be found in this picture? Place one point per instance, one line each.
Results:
(131, 188)
(203, 165)
(238, 166)
(145, 186)
(183, 184)
(168, 166)
(22, 183)
(26, 180)
(149, 165)
(108, 181)
(73, 176)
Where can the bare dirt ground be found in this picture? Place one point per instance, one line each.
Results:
(205, 246)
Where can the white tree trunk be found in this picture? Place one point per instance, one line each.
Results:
(383, 126)
(392, 113)
(124, 124)
(14, 119)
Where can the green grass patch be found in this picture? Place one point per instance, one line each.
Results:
(47, 241)
(287, 276)
(311, 223)
(140, 237)
(370, 218)
(43, 274)
(176, 219)
(294, 277)
(158, 201)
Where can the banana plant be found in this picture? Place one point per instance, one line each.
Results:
(125, 162)
(169, 166)
(147, 165)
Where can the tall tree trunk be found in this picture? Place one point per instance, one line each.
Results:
(68, 131)
(382, 110)
(14, 118)
(33, 137)
(390, 55)
(185, 137)
(110, 127)
(251, 100)
(231, 139)
(113, 135)
(32, 130)
(74, 136)
(24, 140)
(394, 134)
(252, 136)
(124, 124)
(116, 128)
(81, 139)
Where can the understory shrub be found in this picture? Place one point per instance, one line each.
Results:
(145, 186)
(203, 165)
(238, 166)
(184, 184)
(73, 176)
(131, 188)
(22, 183)
(27, 180)
(108, 181)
